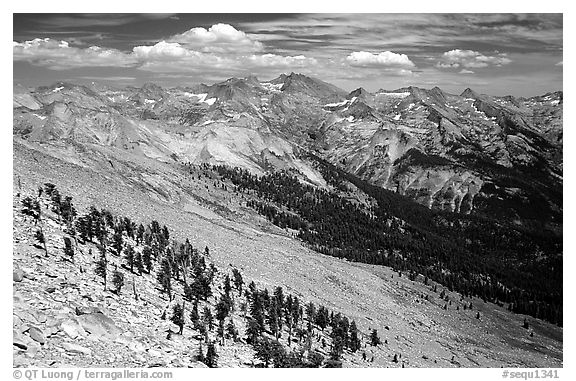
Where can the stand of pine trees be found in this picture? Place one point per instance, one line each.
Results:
(476, 256)
(271, 318)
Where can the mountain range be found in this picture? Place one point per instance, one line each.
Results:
(467, 153)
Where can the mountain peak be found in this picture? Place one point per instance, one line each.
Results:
(358, 93)
(469, 93)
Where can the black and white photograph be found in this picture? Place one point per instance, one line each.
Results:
(287, 190)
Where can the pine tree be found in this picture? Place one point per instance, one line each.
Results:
(238, 281)
(311, 311)
(222, 308)
(178, 316)
(221, 331)
(227, 285)
(200, 356)
(354, 339)
(273, 317)
(164, 277)
(194, 315)
(39, 237)
(118, 280)
(31, 208)
(211, 356)
(374, 339)
(147, 258)
(101, 265)
(252, 331)
(337, 347)
(138, 263)
(232, 331)
(140, 234)
(68, 249)
(208, 318)
(129, 256)
(117, 241)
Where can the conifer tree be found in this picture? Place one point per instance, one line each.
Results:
(129, 256)
(238, 281)
(211, 356)
(147, 258)
(200, 356)
(118, 280)
(311, 311)
(354, 339)
(138, 263)
(232, 331)
(117, 241)
(164, 277)
(68, 249)
(252, 331)
(194, 315)
(101, 265)
(208, 318)
(227, 285)
(178, 316)
(374, 339)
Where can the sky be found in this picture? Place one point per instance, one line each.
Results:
(497, 54)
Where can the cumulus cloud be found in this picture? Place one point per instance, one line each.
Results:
(219, 38)
(458, 58)
(383, 59)
(163, 56)
(466, 71)
(60, 55)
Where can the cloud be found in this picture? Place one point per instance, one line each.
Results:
(383, 59)
(561, 63)
(274, 60)
(164, 56)
(220, 38)
(163, 51)
(465, 71)
(470, 59)
(60, 55)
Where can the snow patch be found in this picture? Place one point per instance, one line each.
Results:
(397, 117)
(39, 116)
(149, 101)
(336, 104)
(395, 95)
(555, 102)
(272, 87)
(57, 89)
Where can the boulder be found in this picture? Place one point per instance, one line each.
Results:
(137, 346)
(39, 316)
(19, 340)
(17, 275)
(83, 310)
(37, 335)
(72, 328)
(99, 325)
(75, 348)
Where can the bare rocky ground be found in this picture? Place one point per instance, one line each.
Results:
(420, 331)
